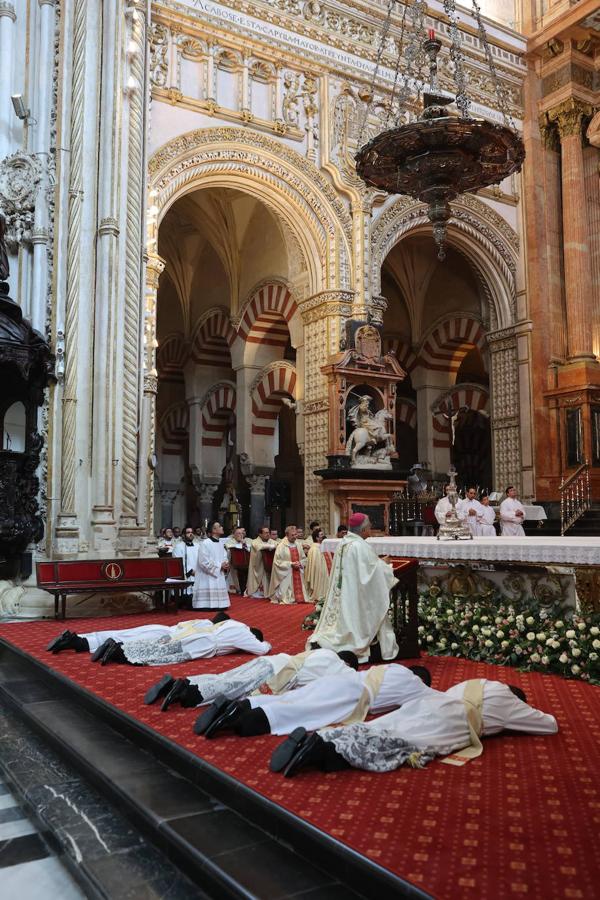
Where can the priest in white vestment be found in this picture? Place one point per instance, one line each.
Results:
(469, 510)
(512, 514)
(237, 540)
(258, 577)
(436, 724)
(344, 698)
(274, 674)
(355, 612)
(210, 585)
(187, 550)
(443, 508)
(287, 581)
(317, 569)
(487, 518)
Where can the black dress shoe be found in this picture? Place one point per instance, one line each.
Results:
(99, 653)
(228, 718)
(113, 653)
(206, 718)
(160, 689)
(178, 694)
(307, 754)
(284, 753)
(62, 642)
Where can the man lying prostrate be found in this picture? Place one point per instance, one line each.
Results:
(334, 698)
(158, 645)
(437, 724)
(272, 675)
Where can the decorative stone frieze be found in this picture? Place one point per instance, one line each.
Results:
(20, 177)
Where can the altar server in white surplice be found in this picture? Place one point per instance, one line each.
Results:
(436, 724)
(487, 518)
(469, 510)
(187, 550)
(270, 674)
(210, 584)
(355, 612)
(287, 577)
(512, 514)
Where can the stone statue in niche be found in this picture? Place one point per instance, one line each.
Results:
(370, 443)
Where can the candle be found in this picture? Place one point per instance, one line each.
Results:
(431, 34)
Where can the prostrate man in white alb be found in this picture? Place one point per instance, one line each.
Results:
(237, 540)
(270, 674)
(258, 577)
(187, 550)
(159, 645)
(210, 586)
(437, 724)
(512, 514)
(345, 698)
(355, 612)
(469, 510)
(487, 518)
(287, 581)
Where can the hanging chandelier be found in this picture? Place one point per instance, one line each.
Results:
(443, 152)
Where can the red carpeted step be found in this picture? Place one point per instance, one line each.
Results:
(520, 821)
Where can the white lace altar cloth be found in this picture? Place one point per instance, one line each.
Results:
(566, 551)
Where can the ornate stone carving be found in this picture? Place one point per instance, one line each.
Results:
(569, 116)
(377, 308)
(20, 176)
(291, 99)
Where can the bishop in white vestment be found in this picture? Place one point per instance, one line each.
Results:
(258, 577)
(512, 515)
(287, 582)
(210, 585)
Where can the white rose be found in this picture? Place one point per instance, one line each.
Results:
(550, 642)
(530, 636)
(489, 644)
(530, 620)
(570, 633)
(575, 669)
(475, 628)
(421, 629)
(593, 657)
(596, 644)
(518, 651)
(563, 658)
(429, 638)
(535, 657)
(594, 630)
(559, 624)
(499, 634)
(541, 636)
(505, 644)
(576, 651)
(454, 646)
(581, 626)
(498, 620)
(545, 660)
(555, 645)
(484, 618)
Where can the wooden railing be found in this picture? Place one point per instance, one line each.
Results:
(575, 497)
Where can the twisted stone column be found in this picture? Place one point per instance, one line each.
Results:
(568, 117)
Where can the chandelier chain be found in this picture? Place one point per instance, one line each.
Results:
(380, 51)
(462, 100)
(402, 92)
(498, 88)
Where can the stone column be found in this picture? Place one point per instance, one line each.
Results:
(167, 502)
(8, 17)
(569, 116)
(433, 447)
(257, 502)
(195, 436)
(206, 495)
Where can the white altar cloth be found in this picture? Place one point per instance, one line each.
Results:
(544, 551)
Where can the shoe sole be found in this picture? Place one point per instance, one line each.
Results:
(209, 715)
(99, 653)
(56, 641)
(157, 690)
(284, 754)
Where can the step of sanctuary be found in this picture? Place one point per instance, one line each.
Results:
(223, 839)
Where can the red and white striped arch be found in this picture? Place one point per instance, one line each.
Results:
(212, 339)
(276, 382)
(402, 351)
(406, 411)
(217, 409)
(172, 355)
(174, 427)
(470, 396)
(266, 316)
(444, 349)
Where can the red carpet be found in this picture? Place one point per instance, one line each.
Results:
(521, 821)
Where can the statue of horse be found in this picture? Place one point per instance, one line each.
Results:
(367, 438)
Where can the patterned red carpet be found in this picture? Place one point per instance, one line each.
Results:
(522, 821)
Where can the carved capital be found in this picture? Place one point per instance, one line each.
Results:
(155, 266)
(256, 483)
(568, 116)
(150, 384)
(549, 133)
(7, 9)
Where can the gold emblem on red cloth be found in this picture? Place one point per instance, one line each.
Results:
(112, 571)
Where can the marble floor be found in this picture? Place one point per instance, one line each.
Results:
(28, 868)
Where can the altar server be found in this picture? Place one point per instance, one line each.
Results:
(237, 540)
(210, 586)
(349, 697)
(512, 514)
(355, 612)
(157, 645)
(287, 581)
(469, 510)
(258, 577)
(487, 518)
(271, 674)
(187, 550)
(318, 568)
(436, 724)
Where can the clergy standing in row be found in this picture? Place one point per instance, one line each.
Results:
(287, 582)
(187, 550)
(470, 511)
(512, 514)
(210, 585)
(355, 612)
(258, 576)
